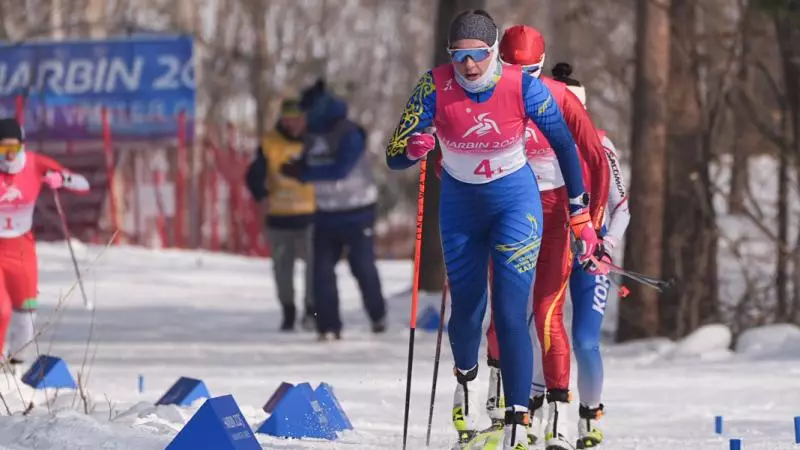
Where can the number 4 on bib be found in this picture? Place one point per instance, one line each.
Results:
(485, 168)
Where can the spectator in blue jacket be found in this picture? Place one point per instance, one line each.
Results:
(335, 159)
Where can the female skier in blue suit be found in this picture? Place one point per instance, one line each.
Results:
(490, 203)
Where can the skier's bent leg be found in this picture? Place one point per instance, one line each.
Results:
(550, 288)
(21, 278)
(516, 240)
(466, 252)
(589, 295)
(549, 296)
(465, 243)
(21, 333)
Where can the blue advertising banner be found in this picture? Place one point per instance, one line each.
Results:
(145, 83)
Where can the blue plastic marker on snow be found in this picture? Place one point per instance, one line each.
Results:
(141, 383)
(797, 430)
(736, 444)
(718, 424)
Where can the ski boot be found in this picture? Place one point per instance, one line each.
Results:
(537, 419)
(329, 336)
(589, 435)
(495, 402)
(517, 421)
(289, 315)
(309, 322)
(465, 410)
(379, 326)
(555, 429)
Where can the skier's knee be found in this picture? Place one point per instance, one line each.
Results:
(583, 342)
(458, 325)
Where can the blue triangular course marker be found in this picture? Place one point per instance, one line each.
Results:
(298, 415)
(276, 397)
(49, 372)
(333, 409)
(184, 392)
(428, 319)
(217, 425)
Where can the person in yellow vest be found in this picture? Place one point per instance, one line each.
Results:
(289, 206)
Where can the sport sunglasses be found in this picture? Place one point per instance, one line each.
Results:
(10, 148)
(532, 68)
(477, 54)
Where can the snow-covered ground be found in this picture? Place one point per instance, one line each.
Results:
(166, 314)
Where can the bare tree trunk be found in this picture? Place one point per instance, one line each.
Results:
(683, 143)
(787, 27)
(561, 46)
(782, 245)
(639, 312)
(57, 20)
(4, 34)
(689, 225)
(432, 274)
(260, 63)
(96, 16)
(739, 171)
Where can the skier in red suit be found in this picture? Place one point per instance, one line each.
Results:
(524, 46)
(22, 174)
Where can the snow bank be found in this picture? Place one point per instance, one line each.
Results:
(771, 341)
(709, 342)
(642, 350)
(71, 429)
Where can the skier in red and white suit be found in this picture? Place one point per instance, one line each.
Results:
(523, 45)
(22, 174)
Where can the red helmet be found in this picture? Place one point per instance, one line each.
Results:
(523, 45)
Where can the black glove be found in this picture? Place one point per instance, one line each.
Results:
(294, 169)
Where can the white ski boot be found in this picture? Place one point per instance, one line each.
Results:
(495, 402)
(465, 406)
(515, 432)
(555, 430)
(589, 434)
(536, 411)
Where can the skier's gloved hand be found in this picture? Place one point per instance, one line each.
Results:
(580, 222)
(54, 180)
(419, 145)
(602, 256)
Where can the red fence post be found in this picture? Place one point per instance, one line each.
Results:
(235, 231)
(180, 182)
(213, 208)
(109, 156)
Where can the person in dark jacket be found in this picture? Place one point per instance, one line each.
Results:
(289, 206)
(336, 161)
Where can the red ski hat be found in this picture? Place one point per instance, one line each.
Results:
(523, 45)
